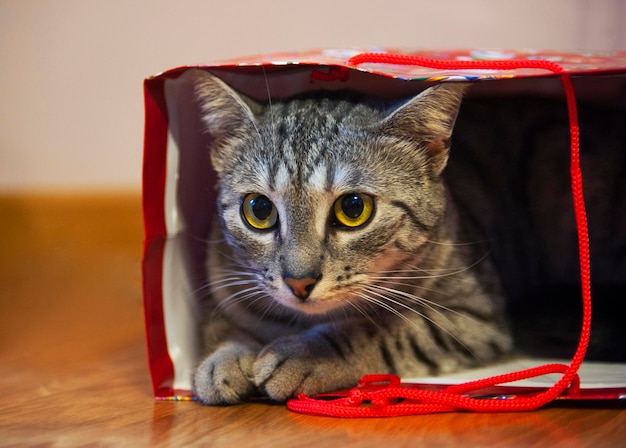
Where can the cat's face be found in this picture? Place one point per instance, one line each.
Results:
(319, 197)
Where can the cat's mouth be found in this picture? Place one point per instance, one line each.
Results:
(318, 302)
(315, 308)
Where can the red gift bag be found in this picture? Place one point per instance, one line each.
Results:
(178, 193)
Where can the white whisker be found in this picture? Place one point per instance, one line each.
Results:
(271, 110)
(430, 273)
(413, 298)
(392, 310)
(427, 304)
(378, 304)
(232, 283)
(391, 281)
(236, 295)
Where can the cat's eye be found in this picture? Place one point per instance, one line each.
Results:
(353, 209)
(259, 212)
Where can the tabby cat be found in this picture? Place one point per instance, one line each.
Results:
(338, 250)
(349, 242)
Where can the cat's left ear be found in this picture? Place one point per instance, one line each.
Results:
(427, 120)
(228, 115)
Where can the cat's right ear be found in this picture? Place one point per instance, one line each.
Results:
(426, 121)
(227, 115)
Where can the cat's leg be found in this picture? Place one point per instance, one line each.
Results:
(323, 359)
(226, 375)
(332, 357)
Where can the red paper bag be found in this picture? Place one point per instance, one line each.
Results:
(178, 181)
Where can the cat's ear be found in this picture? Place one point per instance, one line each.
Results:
(227, 115)
(427, 121)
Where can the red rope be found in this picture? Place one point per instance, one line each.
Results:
(395, 400)
(445, 64)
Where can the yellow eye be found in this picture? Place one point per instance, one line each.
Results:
(353, 210)
(259, 212)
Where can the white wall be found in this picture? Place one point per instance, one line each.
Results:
(71, 71)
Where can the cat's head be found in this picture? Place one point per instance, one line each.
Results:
(320, 195)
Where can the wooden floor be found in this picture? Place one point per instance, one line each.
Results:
(73, 368)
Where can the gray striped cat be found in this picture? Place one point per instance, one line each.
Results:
(338, 252)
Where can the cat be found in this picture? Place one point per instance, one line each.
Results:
(338, 250)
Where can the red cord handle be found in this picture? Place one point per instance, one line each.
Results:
(445, 64)
(395, 400)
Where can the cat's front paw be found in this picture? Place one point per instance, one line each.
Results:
(296, 365)
(225, 377)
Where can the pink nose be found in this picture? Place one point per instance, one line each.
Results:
(301, 287)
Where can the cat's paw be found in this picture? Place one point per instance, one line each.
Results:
(225, 377)
(295, 365)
